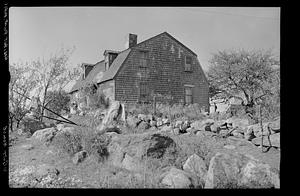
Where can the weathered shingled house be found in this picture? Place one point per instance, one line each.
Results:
(160, 65)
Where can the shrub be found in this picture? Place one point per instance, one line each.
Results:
(95, 144)
(68, 142)
(58, 102)
(98, 100)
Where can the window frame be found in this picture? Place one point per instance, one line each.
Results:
(144, 59)
(146, 94)
(188, 67)
(190, 95)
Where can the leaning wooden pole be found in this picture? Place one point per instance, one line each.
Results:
(68, 121)
(261, 128)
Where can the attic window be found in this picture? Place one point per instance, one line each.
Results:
(144, 58)
(188, 63)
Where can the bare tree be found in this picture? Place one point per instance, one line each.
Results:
(245, 75)
(53, 74)
(22, 82)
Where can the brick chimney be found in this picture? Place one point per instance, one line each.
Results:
(132, 40)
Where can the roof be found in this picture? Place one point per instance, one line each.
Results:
(166, 33)
(98, 67)
(98, 73)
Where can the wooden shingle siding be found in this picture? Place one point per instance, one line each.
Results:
(165, 72)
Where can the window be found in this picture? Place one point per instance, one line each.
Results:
(143, 91)
(188, 63)
(188, 95)
(144, 58)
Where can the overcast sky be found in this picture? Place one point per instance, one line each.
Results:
(38, 32)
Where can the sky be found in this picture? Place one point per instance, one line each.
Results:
(41, 31)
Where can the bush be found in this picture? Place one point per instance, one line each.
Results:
(96, 144)
(68, 142)
(98, 100)
(58, 102)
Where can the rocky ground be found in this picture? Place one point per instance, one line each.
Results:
(150, 152)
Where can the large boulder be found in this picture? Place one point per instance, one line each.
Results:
(44, 135)
(79, 157)
(257, 129)
(201, 124)
(141, 147)
(143, 126)
(130, 163)
(274, 126)
(274, 138)
(235, 170)
(249, 134)
(133, 121)
(196, 165)
(176, 178)
(30, 125)
(113, 113)
(238, 122)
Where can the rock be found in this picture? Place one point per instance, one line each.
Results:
(214, 128)
(207, 127)
(249, 134)
(176, 131)
(274, 138)
(27, 147)
(130, 163)
(59, 127)
(178, 124)
(257, 129)
(159, 122)
(142, 117)
(67, 130)
(235, 170)
(196, 165)
(238, 122)
(260, 175)
(79, 157)
(274, 126)
(44, 169)
(44, 135)
(143, 126)
(152, 123)
(200, 125)
(166, 128)
(230, 147)
(184, 127)
(116, 154)
(113, 128)
(191, 130)
(132, 121)
(237, 134)
(223, 132)
(177, 178)
(112, 114)
(205, 134)
(165, 121)
(149, 117)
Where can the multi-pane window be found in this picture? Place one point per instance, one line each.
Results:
(188, 95)
(144, 58)
(188, 63)
(143, 91)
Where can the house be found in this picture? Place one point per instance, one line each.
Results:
(160, 65)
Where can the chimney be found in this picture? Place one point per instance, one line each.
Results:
(132, 40)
